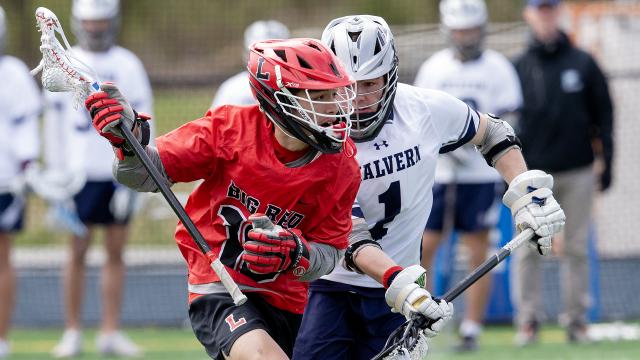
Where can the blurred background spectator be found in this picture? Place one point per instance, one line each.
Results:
(468, 193)
(72, 143)
(566, 109)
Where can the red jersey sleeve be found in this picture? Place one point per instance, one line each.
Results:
(334, 230)
(188, 153)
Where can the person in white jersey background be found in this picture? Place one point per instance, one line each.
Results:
(465, 185)
(21, 104)
(236, 90)
(72, 143)
(399, 131)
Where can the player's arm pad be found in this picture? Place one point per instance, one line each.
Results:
(322, 259)
(359, 238)
(499, 138)
(131, 173)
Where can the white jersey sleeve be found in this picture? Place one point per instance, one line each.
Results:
(454, 120)
(21, 105)
(234, 91)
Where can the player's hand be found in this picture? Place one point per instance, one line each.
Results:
(532, 204)
(406, 294)
(271, 248)
(108, 108)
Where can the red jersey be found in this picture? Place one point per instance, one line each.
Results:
(232, 150)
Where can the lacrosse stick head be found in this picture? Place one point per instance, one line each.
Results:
(61, 70)
(407, 342)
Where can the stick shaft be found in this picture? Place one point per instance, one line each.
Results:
(489, 264)
(469, 280)
(233, 289)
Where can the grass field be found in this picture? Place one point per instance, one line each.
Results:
(496, 344)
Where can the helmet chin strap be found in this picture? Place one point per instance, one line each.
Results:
(305, 159)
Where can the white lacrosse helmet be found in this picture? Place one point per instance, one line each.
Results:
(464, 15)
(264, 30)
(365, 45)
(3, 30)
(95, 10)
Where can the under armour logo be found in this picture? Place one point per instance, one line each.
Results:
(233, 324)
(384, 143)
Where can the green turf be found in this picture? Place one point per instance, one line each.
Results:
(174, 344)
(496, 344)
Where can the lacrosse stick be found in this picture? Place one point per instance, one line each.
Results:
(63, 72)
(408, 341)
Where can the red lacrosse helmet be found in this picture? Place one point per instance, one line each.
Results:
(284, 74)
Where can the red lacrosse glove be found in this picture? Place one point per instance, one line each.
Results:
(273, 249)
(107, 109)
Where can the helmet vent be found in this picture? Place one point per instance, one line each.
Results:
(379, 43)
(334, 69)
(282, 54)
(354, 35)
(304, 63)
(377, 48)
(312, 45)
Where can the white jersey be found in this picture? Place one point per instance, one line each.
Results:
(234, 91)
(398, 169)
(20, 104)
(70, 140)
(490, 85)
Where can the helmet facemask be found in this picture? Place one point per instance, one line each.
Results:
(96, 40)
(366, 125)
(467, 43)
(304, 91)
(319, 118)
(364, 43)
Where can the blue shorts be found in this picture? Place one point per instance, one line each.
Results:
(11, 213)
(92, 203)
(477, 206)
(344, 322)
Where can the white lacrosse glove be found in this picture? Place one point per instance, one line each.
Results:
(406, 294)
(532, 204)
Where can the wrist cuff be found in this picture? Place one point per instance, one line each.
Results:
(390, 274)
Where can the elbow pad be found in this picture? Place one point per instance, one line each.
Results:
(352, 252)
(498, 139)
(359, 238)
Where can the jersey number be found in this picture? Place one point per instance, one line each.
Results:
(237, 229)
(391, 199)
